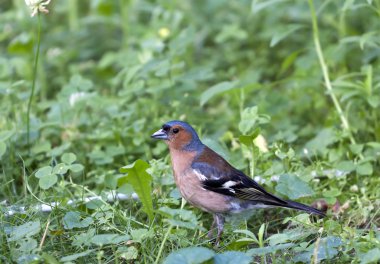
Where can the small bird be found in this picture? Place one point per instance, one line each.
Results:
(209, 182)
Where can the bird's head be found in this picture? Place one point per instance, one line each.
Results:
(179, 135)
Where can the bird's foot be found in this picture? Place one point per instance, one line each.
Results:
(210, 234)
(219, 222)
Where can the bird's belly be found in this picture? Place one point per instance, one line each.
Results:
(192, 191)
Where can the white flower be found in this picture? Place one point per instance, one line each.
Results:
(37, 6)
(75, 97)
(259, 179)
(275, 178)
(354, 188)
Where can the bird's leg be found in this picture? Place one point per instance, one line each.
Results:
(211, 231)
(220, 224)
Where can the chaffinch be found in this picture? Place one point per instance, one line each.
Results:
(209, 182)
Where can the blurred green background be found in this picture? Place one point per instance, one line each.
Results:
(110, 73)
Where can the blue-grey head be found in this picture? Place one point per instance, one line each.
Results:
(179, 135)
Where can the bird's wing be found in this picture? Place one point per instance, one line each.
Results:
(234, 183)
(217, 175)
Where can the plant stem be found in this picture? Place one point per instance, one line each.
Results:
(44, 235)
(73, 15)
(163, 244)
(343, 119)
(124, 6)
(35, 68)
(253, 161)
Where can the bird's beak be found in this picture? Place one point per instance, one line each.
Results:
(160, 134)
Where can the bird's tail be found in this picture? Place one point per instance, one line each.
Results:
(302, 207)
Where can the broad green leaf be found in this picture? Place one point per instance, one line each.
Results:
(83, 239)
(125, 189)
(374, 101)
(356, 148)
(141, 182)
(250, 117)
(345, 165)
(190, 255)
(293, 187)
(100, 157)
(372, 256)
(69, 158)
(367, 38)
(162, 68)
(76, 167)
(232, 257)
(3, 149)
(60, 168)
(140, 234)
(374, 145)
(95, 204)
(332, 192)
(364, 169)
(127, 253)
(21, 44)
(331, 225)
(179, 44)
(327, 249)
(73, 220)
(47, 181)
(184, 214)
(78, 83)
(72, 257)
(26, 244)
(6, 134)
(289, 61)
(114, 150)
(261, 233)
(131, 73)
(249, 234)
(319, 144)
(283, 33)
(179, 223)
(57, 151)
(41, 148)
(231, 32)
(269, 249)
(287, 236)
(198, 74)
(217, 89)
(298, 220)
(48, 258)
(44, 171)
(25, 257)
(105, 239)
(26, 230)
(180, 217)
(258, 5)
(248, 139)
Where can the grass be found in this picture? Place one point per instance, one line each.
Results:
(286, 91)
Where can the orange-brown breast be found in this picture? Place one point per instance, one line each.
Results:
(189, 185)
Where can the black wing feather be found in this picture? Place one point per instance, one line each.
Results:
(245, 188)
(234, 183)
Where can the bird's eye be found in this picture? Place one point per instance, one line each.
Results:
(175, 130)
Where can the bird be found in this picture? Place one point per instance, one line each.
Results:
(207, 181)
